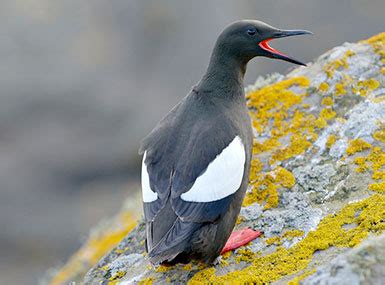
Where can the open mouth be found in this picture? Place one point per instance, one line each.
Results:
(265, 45)
(272, 52)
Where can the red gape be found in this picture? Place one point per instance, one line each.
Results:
(265, 45)
(240, 238)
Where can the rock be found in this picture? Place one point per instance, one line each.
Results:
(362, 265)
(317, 183)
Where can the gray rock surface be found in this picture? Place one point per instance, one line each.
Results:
(362, 265)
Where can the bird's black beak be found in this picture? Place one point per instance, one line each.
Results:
(281, 34)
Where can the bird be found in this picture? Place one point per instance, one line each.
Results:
(196, 161)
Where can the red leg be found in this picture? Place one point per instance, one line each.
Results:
(240, 238)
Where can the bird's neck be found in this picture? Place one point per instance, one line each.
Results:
(223, 72)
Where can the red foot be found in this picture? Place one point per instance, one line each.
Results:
(239, 238)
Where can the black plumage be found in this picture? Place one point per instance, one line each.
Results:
(189, 138)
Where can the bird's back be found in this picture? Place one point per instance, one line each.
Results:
(177, 152)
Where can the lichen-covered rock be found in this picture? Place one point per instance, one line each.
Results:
(317, 183)
(364, 264)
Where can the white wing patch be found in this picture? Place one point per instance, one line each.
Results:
(147, 193)
(222, 177)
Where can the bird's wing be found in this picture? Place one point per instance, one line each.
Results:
(205, 181)
(197, 168)
(193, 163)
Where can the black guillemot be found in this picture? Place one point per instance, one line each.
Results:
(196, 161)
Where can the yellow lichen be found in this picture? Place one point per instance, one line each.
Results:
(323, 87)
(264, 190)
(284, 177)
(327, 114)
(240, 220)
(96, 246)
(339, 63)
(298, 279)
(223, 262)
(378, 44)
(362, 168)
(362, 165)
(340, 89)
(265, 187)
(357, 145)
(349, 53)
(288, 235)
(162, 268)
(331, 140)
(187, 267)
(383, 70)
(244, 254)
(226, 255)
(368, 215)
(146, 281)
(377, 158)
(379, 135)
(273, 101)
(378, 187)
(379, 175)
(293, 234)
(279, 115)
(273, 240)
(268, 144)
(327, 101)
(298, 145)
(320, 123)
(362, 87)
(119, 275)
(255, 169)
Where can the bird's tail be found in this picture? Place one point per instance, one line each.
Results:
(176, 241)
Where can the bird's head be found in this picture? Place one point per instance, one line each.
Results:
(247, 39)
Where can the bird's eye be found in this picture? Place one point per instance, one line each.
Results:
(251, 31)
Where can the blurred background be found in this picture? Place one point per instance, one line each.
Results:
(81, 82)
